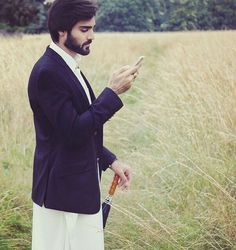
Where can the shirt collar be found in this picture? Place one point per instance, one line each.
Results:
(73, 63)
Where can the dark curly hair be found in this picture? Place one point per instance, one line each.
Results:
(64, 14)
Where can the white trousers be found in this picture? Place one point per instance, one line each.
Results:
(58, 230)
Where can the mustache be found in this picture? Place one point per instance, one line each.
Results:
(87, 43)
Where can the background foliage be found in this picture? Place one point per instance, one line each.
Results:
(129, 15)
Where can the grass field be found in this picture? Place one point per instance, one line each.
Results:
(177, 131)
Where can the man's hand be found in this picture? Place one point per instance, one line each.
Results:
(124, 172)
(122, 79)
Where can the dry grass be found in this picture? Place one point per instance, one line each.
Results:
(177, 131)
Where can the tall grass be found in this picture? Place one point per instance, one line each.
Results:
(177, 131)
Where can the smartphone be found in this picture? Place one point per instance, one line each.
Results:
(139, 60)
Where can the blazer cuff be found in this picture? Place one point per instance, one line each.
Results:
(107, 158)
(112, 98)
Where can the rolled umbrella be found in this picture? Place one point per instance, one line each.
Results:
(106, 205)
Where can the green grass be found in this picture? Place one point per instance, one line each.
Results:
(177, 131)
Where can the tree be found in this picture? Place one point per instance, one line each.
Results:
(126, 15)
(180, 15)
(129, 15)
(23, 15)
(223, 14)
(204, 20)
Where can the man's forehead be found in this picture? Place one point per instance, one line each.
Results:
(91, 22)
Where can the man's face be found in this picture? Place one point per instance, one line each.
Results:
(80, 37)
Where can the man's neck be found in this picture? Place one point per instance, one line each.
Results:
(62, 46)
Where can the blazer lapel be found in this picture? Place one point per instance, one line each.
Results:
(89, 87)
(70, 74)
(79, 86)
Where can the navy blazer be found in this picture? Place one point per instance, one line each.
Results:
(69, 137)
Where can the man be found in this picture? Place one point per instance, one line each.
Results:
(69, 155)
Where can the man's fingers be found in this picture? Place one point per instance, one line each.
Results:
(130, 78)
(128, 175)
(129, 69)
(126, 186)
(122, 69)
(135, 74)
(123, 178)
(133, 69)
(124, 173)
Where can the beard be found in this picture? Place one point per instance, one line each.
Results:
(81, 49)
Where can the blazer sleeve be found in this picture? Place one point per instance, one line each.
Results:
(73, 128)
(107, 158)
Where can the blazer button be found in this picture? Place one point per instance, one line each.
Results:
(95, 133)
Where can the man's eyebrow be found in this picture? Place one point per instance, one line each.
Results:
(87, 27)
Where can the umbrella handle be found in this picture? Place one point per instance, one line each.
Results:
(114, 184)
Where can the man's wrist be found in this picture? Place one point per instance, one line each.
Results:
(112, 164)
(114, 90)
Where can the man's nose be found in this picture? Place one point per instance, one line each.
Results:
(91, 35)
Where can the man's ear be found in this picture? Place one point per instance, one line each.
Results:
(62, 33)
